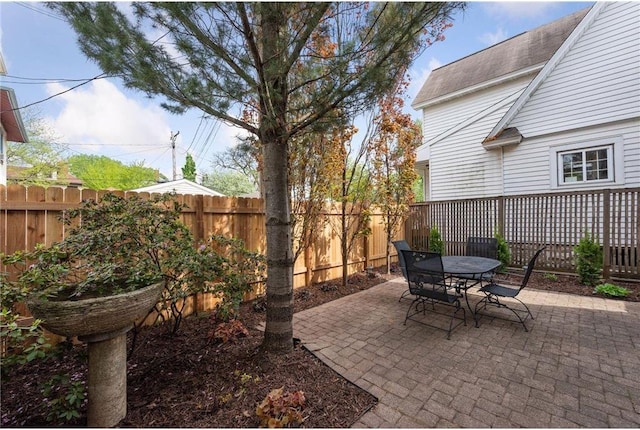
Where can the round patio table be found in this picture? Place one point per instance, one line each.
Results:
(468, 265)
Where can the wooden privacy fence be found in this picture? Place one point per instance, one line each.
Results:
(29, 216)
(558, 220)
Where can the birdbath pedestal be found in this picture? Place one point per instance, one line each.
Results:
(103, 323)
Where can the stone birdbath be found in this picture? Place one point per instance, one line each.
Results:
(103, 323)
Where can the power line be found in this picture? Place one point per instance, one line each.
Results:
(148, 145)
(100, 76)
(196, 133)
(40, 11)
(42, 81)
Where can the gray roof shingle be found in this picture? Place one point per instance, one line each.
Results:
(517, 53)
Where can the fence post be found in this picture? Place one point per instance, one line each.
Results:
(501, 216)
(199, 227)
(407, 224)
(606, 233)
(308, 274)
(365, 245)
(198, 233)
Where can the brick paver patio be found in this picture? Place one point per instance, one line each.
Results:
(578, 366)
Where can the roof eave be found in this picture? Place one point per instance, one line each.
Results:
(10, 115)
(479, 87)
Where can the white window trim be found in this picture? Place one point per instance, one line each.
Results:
(617, 163)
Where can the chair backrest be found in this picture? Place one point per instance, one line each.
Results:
(423, 267)
(482, 247)
(402, 245)
(532, 262)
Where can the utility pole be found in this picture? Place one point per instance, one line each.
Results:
(173, 152)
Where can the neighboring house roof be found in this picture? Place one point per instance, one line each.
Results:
(525, 53)
(10, 116)
(251, 195)
(181, 186)
(17, 173)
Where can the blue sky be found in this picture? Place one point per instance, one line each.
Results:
(102, 117)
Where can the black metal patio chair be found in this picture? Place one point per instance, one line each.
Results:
(494, 292)
(429, 285)
(402, 245)
(481, 247)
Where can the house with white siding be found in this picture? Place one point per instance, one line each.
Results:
(11, 126)
(556, 108)
(180, 186)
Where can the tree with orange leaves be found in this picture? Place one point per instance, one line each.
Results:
(394, 160)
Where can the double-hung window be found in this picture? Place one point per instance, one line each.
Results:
(586, 165)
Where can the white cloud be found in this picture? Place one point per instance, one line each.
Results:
(518, 10)
(100, 119)
(492, 38)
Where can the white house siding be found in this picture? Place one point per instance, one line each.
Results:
(527, 166)
(598, 81)
(459, 166)
(441, 118)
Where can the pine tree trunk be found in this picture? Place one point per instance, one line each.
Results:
(278, 335)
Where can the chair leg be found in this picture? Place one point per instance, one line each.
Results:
(525, 306)
(495, 300)
(417, 303)
(453, 316)
(404, 294)
(475, 310)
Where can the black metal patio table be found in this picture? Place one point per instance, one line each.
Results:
(466, 266)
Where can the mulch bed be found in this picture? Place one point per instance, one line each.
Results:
(189, 380)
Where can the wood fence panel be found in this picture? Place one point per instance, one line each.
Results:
(36, 222)
(54, 230)
(16, 232)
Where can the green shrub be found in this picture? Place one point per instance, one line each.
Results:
(435, 241)
(611, 290)
(65, 398)
(503, 253)
(21, 343)
(588, 260)
(221, 266)
(550, 276)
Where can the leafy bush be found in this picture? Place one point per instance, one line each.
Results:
(550, 276)
(435, 241)
(611, 290)
(588, 260)
(240, 269)
(115, 245)
(21, 343)
(503, 253)
(223, 267)
(64, 397)
(279, 409)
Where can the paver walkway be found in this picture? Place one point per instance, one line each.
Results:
(578, 366)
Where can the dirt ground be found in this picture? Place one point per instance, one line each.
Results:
(189, 380)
